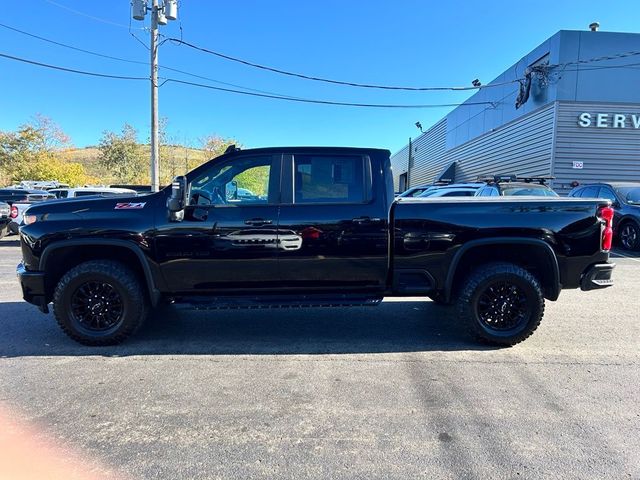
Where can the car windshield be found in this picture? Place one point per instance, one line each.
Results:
(630, 195)
(534, 190)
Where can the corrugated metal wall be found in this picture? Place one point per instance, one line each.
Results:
(399, 165)
(522, 147)
(428, 150)
(610, 154)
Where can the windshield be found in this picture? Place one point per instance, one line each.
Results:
(536, 191)
(630, 195)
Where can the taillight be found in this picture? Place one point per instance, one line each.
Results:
(606, 214)
(14, 212)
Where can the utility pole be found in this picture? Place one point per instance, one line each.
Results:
(161, 11)
(155, 148)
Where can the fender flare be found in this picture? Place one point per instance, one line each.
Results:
(556, 287)
(154, 293)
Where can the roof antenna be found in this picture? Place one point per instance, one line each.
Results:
(594, 27)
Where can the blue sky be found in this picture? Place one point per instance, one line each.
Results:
(416, 43)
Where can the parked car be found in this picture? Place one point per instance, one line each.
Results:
(347, 242)
(453, 190)
(19, 199)
(625, 198)
(507, 186)
(4, 218)
(88, 191)
(41, 184)
(414, 191)
(16, 194)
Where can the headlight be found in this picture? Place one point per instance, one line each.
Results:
(29, 219)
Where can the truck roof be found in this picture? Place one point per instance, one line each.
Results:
(310, 149)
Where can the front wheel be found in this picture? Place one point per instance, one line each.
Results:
(501, 303)
(100, 302)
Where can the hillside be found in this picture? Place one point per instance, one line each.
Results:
(174, 160)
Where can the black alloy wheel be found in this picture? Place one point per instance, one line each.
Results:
(97, 306)
(501, 303)
(502, 306)
(100, 302)
(630, 236)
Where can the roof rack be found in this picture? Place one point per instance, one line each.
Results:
(542, 179)
(443, 182)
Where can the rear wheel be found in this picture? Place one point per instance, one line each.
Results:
(630, 236)
(501, 303)
(99, 302)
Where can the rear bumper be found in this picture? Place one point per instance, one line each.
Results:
(33, 289)
(597, 276)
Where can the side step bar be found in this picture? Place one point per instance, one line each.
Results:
(275, 301)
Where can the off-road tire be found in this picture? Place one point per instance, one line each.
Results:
(635, 232)
(483, 282)
(119, 278)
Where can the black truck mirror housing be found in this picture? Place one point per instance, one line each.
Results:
(178, 199)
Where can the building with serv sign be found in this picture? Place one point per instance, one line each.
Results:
(569, 109)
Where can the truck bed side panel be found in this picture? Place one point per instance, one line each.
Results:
(429, 233)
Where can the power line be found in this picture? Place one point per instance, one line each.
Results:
(78, 49)
(82, 14)
(72, 70)
(327, 80)
(126, 60)
(326, 102)
(241, 92)
(615, 56)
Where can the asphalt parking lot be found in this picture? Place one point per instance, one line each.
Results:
(398, 391)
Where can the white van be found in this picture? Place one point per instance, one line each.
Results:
(86, 191)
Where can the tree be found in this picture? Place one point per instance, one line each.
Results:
(34, 152)
(215, 145)
(49, 167)
(122, 156)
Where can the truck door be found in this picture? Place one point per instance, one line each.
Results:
(228, 238)
(339, 226)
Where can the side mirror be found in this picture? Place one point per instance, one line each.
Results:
(178, 199)
(234, 191)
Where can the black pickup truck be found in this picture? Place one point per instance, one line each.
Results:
(292, 227)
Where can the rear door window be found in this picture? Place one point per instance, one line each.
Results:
(330, 179)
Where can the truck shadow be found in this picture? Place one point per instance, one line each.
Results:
(397, 326)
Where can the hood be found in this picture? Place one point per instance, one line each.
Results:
(94, 203)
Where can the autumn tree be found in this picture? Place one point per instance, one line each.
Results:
(215, 145)
(35, 152)
(122, 155)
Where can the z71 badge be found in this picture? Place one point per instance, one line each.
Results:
(129, 205)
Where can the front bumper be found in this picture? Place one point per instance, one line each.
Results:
(597, 276)
(33, 288)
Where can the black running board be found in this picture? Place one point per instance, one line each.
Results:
(275, 301)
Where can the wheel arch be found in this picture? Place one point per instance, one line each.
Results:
(507, 249)
(58, 258)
